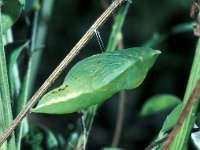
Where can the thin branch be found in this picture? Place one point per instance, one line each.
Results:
(156, 143)
(183, 116)
(120, 119)
(121, 109)
(59, 69)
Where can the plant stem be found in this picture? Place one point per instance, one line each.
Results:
(120, 119)
(25, 88)
(115, 36)
(87, 121)
(154, 144)
(59, 69)
(45, 15)
(2, 124)
(4, 90)
(182, 117)
(38, 37)
(189, 120)
(122, 94)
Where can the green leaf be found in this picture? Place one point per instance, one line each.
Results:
(2, 124)
(159, 103)
(183, 27)
(35, 140)
(40, 137)
(95, 79)
(14, 52)
(72, 140)
(51, 140)
(13, 71)
(11, 10)
(169, 124)
(170, 121)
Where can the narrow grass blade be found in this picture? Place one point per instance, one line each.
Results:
(181, 140)
(116, 29)
(4, 89)
(2, 124)
(38, 38)
(13, 70)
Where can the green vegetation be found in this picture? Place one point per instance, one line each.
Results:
(138, 92)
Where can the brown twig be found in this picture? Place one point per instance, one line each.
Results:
(121, 108)
(156, 143)
(120, 119)
(105, 4)
(59, 69)
(183, 116)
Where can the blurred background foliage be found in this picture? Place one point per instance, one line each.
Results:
(70, 20)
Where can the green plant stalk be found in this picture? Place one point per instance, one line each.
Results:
(45, 15)
(22, 98)
(89, 118)
(38, 39)
(112, 44)
(15, 78)
(180, 141)
(26, 86)
(13, 74)
(72, 140)
(2, 124)
(25, 89)
(115, 36)
(4, 89)
(8, 37)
